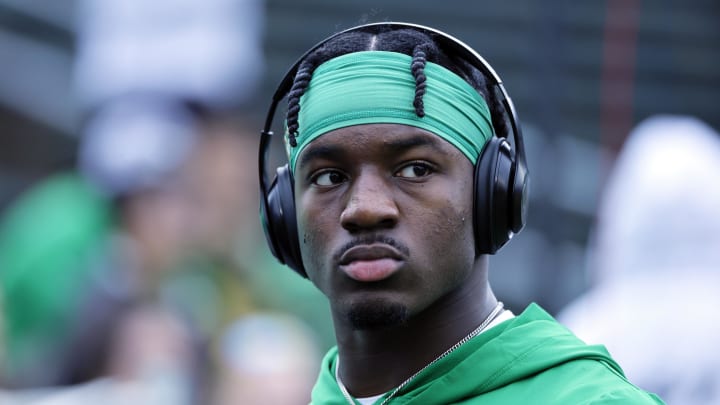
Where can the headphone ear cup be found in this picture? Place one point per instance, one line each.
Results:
(494, 173)
(520, 193)
(281, 223)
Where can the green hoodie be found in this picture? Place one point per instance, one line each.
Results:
(47, 237)
(530, 359)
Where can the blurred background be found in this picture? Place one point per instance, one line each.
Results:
(128, 184)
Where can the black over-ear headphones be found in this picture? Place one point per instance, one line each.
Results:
(501, 175)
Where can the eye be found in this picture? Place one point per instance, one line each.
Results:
(415, 170)
(328, 178)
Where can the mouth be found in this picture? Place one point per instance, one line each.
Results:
(369, 263)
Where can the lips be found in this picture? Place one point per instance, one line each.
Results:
(368, 263)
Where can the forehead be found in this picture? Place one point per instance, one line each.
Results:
(375, 141)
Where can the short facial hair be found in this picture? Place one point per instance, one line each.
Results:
(377, 314)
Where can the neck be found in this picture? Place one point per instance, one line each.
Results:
(376, 361)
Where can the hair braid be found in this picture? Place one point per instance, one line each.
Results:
(302, 79)
(418, 71)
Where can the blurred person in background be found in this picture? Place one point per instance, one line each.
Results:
(87, 254)
(134, 152)
(229, 240)
(266, 358)
(229, 273)
(46, 239)
(655, 262)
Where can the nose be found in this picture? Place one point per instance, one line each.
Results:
(370, 205)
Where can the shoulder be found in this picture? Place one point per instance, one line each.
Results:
(590, 382)
(576, 382)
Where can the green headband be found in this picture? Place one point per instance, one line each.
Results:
(374, 87)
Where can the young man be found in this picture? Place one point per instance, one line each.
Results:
(400, 182)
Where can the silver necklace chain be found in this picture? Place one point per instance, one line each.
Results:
(495, 312)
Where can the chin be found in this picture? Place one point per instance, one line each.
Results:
(377, 314)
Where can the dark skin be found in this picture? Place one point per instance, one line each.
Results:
(385, 214)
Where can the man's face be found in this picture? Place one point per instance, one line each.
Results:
(385, 220)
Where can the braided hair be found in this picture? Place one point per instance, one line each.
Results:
(422, 47)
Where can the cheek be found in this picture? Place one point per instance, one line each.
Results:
(465, 209)
(466, 214)
(450, 239)
(314, 238)
(452, 233)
